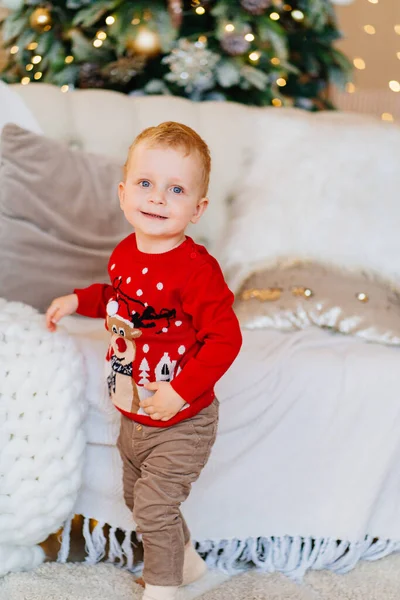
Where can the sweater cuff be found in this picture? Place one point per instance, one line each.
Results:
(183, 390)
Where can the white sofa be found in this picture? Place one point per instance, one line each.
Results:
(305, 472)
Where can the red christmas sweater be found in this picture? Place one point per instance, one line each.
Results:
(170, 318)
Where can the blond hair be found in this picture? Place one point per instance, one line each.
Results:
(175, 135)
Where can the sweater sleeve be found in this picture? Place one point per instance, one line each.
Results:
(208, 300)
(92, 301)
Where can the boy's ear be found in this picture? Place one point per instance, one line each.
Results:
(121, 193)
(200, 208)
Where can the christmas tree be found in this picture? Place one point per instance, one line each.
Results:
(257, 52)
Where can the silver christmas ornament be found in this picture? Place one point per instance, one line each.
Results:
(191, 66)
(235, 43)
(256, 7)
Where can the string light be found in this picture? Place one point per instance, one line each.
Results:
(281, 82)
(69, 59)
(276, 102)
(229, 27)
(249, 37)
(397, 29)
(32, 46)
(101, 35)
(97, 43)
(36, 59)
(135, 21)
(373, 1)
(38, 75)
(110, 20)
(202, 39)
(394, 85)
(387, 117)
(254, 56)
(350, 88)
(25, 80)
(29, 67)
(362, 297)
(200, 10)
(64, 88)
(275, 61)
(359, 63)
(287, 7)
(274, 16)
(297, 15)
(370, 29)
(14, 50)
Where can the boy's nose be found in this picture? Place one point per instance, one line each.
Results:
(157, 198)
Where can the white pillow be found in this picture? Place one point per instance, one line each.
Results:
(14, 110)
(322, 187)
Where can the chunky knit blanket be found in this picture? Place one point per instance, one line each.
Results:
(42, 409)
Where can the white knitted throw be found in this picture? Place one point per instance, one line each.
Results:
(42, 443)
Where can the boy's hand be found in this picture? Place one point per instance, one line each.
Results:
(165, 403)
(59, 308)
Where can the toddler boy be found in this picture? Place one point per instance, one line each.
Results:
(173, 335)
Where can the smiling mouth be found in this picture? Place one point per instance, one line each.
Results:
(152, 216)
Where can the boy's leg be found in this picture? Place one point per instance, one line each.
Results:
(131, 472)
(130, 466)
(173, 459)
(131, 469)
(186, 532)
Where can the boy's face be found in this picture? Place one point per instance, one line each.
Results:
(162, 193)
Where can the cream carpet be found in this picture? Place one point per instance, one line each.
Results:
(379, 580)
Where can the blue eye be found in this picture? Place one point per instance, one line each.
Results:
(145, 183)
(177, 189)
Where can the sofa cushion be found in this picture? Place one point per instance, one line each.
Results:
(302, 295)
(59, 217)
(322, 188)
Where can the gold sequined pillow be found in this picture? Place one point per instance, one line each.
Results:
(299, 296)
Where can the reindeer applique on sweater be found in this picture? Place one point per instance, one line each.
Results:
(121, 354)
(124, 324)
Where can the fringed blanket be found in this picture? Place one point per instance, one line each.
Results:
(305, 471)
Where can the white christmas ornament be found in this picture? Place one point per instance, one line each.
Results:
(191, 66)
